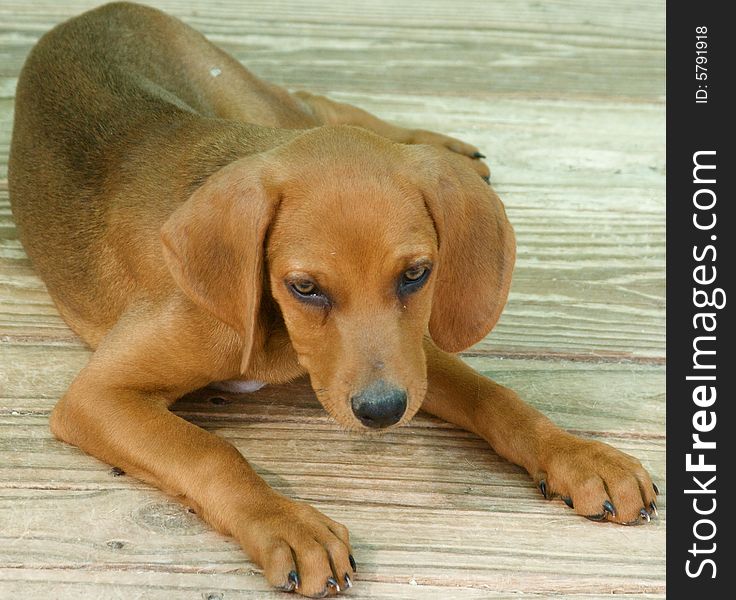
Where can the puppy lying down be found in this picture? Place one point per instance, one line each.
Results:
(195, 224)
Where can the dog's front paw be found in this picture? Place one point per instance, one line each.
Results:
(598, 481)
(422, 136)
(300, 549)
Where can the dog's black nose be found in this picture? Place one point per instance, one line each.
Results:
(379, 405)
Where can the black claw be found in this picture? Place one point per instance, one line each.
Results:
(117, 472)
(644, 515)
(478, 155)
(543, 488)
(653, 507)
(656, 489)
(609, 508)
(486, 179)
(600, 517)
(332, 582)
(294, 580)
(348, 581)
(352, 563)
(568, 501)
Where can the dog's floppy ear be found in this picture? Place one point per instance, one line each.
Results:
(477, 249)
(213, 245)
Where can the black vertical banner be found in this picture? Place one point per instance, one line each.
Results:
(701, 299)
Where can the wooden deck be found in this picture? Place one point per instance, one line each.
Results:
(566, 97)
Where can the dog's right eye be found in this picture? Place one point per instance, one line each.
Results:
(308, 292)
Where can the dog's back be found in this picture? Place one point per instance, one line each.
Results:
(98, 96)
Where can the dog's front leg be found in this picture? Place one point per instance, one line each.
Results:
(117, 410)
(599, 481)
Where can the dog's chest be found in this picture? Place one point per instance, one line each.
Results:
(236, 386)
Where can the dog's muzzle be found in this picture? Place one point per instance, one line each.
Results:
(379, 405)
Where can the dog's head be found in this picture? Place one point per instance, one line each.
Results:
(366, 246)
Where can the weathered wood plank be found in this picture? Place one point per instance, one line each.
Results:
(446, 544)
(550, 49)
(287, 448)
(411, 471)
(622, 399)
(156, 585)
(441, 517)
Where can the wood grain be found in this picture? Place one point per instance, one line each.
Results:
(156, 585)
(412, 513)
(566, 97)
(621, 398)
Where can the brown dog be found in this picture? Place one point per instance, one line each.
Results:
(195, 224)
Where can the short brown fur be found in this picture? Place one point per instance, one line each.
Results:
(170, 200)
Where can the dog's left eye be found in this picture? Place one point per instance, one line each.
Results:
(413, 278)
(415, 273)
(305, 288)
